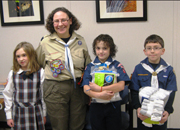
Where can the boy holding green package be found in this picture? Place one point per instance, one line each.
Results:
(103, 79)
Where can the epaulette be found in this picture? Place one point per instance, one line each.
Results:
(43, 37)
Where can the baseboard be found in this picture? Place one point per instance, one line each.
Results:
(167, 129)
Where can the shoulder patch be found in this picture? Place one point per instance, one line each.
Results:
(43, 37)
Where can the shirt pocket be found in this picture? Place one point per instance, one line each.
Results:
(53, 56)
(144, 81)
(162, 81)
(78, 59)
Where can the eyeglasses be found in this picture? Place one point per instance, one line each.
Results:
(63, 21)
(154, 48)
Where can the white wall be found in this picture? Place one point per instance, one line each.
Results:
(163, 19)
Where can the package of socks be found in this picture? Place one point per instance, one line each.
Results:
(153, 101)
(103, 76)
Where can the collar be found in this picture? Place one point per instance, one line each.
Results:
(96, 60)
(54, 36)
(20, 71)
(162, 62)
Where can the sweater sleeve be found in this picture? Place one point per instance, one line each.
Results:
(135, 99)
(169, 104)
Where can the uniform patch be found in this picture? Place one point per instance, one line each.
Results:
(56, 67)
(142, 74)
(120, 65)
(80, 42)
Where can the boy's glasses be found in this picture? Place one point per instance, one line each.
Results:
(63, 21)
(154, 48)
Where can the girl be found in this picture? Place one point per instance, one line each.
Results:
(24, 105)
(104, 112)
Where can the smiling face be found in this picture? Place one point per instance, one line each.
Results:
(102, 51)
(61, 23)
(22, 59)
(154, 51)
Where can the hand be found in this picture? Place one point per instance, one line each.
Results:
(94, 87)
(10, 122)
(106, 95)
(44, 120)
(142, 117)
(164, 117)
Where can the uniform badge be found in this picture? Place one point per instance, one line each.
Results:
(80, 42)
(56, 67)
(154, 73)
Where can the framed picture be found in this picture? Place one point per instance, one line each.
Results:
(21, 12)
(121, 10)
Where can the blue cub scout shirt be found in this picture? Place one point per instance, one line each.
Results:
(142, 78)
(122, 73)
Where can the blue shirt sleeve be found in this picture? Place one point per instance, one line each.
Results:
(122, 73)
(171, 83)
(87, 77)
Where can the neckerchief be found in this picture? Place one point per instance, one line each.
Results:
(154, 79)
(68, 59)
(97, 61)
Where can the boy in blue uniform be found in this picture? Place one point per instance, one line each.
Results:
(155, 72)
(105, 115)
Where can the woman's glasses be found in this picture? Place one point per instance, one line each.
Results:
(63, 21)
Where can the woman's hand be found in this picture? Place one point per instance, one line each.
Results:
(106, 95)
(142, 117)
(164, 117)
(94, 87)
(10, 122)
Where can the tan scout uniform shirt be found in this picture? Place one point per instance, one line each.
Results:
(49, 49)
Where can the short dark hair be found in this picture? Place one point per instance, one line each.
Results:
(107, 39)
(49, 21)
(154, 39)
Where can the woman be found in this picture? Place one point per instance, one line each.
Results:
(64, 55)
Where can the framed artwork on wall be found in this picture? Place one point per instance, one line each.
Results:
(21, 12)
(121, 10)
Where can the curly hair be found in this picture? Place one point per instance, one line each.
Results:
(31, 54)
(49, 21)
(154, 39)
(107, 39)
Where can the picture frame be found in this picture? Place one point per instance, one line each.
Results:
(20, 13)
(107, 11)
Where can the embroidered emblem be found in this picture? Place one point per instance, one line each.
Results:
(154, 73)
(79, 42)
(120, 65)
(56, 67)
(165, 70)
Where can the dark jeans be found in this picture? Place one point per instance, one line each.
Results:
(105, 116)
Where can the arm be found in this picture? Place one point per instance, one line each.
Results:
(87, 58)
(8, 96)
(116, 87)
(169, 104)
(105, 95)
